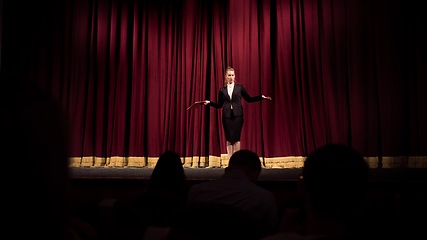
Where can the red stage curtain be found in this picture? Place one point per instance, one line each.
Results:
(350, 72)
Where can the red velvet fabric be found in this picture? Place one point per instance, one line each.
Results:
(339, 71)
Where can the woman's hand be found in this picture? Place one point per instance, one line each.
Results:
(266, 97)
(206, 102)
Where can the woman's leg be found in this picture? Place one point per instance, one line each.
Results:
(236, 147)
(229, 146)
(232, 147)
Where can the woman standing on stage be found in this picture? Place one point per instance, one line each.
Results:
(230, 100)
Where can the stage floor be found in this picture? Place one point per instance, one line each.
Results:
(267, 174)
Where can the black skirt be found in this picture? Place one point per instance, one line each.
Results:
(232, 127)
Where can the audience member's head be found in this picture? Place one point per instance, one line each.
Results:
(168, 175)
(335, 179)
(246, 162)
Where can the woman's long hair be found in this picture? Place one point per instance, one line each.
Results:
(225, 74)
(168, 175)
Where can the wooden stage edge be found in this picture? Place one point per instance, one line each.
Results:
(267, 174)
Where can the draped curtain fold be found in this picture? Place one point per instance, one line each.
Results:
(339, 71)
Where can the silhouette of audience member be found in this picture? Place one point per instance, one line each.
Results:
(169, 176)
(379, 217)
(237, 188)
(167, 189)
(332, 188)
(113, 218)
(211, 221)
(34, 153)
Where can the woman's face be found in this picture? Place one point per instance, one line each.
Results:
(230, 77)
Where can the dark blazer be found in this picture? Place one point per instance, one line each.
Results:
(225, 102)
